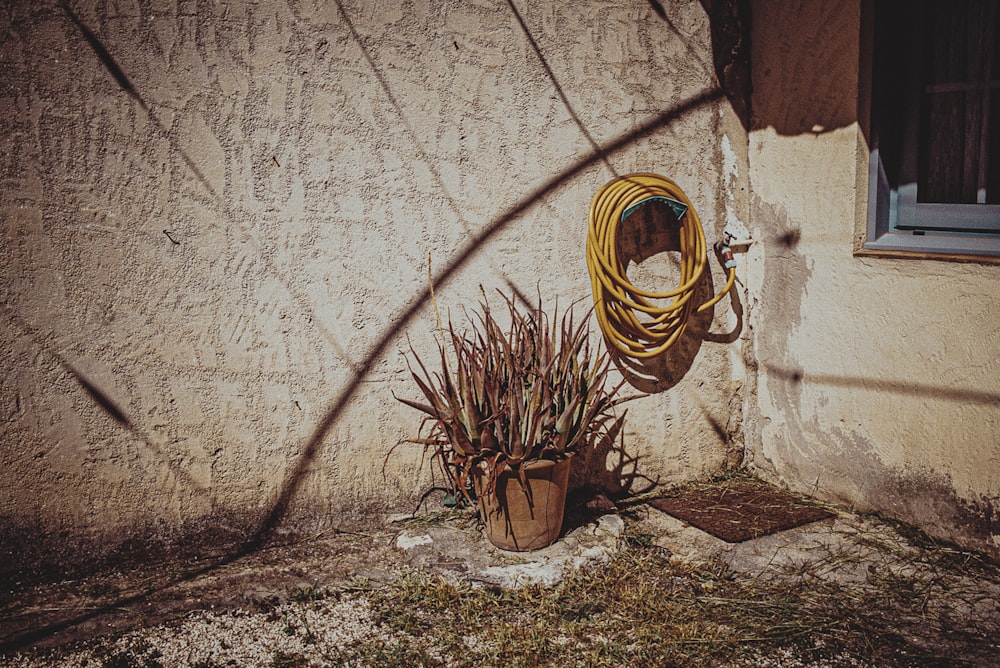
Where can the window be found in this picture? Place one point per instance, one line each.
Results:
(934, 173)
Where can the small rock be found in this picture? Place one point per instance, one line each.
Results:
(545, 573)
(407, 542)
(262, 598)
(612, 525)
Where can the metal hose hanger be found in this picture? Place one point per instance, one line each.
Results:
(629, 317)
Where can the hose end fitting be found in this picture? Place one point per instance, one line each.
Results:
(725, 254)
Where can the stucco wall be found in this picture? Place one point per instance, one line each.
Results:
(217, 219)
(877, 378)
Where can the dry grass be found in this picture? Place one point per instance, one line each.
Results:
(646, 609)
(641, 610)
(915, 603)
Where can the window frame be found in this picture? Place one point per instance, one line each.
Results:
(895, 223)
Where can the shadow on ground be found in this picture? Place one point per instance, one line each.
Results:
(428, 589)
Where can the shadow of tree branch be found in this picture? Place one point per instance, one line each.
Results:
(116, 71)
(595, 147)
(894, 386)
(102, 399)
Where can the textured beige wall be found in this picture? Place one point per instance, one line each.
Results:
(216, 221)
(878, 378)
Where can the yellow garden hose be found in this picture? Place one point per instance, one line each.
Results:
(629, 317)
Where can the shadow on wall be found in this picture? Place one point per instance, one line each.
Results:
(729, 49)
(730, 28)
(102, 398)
(965, 396)
(804, 83)
(922, 496)
(311, 448)
(115, 70)
(800, 74)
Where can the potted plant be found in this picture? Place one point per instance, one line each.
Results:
(506, 411)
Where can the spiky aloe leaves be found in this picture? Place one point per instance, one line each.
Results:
(504, 396)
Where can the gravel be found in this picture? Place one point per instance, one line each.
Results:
(292, 634)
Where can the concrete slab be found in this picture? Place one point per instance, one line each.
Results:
(845, 548)
(463, 554)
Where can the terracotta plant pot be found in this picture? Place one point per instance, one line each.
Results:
(512, 522)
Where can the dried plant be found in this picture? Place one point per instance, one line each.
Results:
(504, 397)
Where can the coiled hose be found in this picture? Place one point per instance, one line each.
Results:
(628, 316)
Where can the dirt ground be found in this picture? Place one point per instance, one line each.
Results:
(934, 604)
(59, 613)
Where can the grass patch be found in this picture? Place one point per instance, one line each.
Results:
(645, 609)
(309, 593)
(640, 610)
